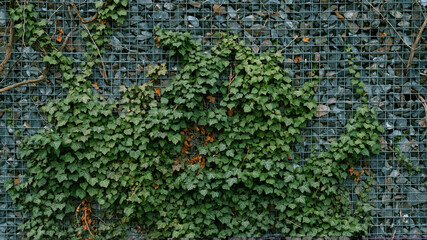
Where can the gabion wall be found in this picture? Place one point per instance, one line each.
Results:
(314, 35)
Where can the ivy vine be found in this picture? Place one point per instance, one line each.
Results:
(202, 157)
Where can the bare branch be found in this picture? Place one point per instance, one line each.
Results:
(414, 46)
(44, 74)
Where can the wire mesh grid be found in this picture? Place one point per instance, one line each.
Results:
(313, 35)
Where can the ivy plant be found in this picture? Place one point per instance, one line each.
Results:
(210, 156)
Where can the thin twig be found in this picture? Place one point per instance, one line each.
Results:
(423, 122)
(9, 48)
(99, 52)
(55, 12)
(54, 31)
(244, 157)
(293, 223)
(12, 67)
(98, 218)
(129, 50)
(295, 37)
(414, 45)
(91, 38)
(391, 25)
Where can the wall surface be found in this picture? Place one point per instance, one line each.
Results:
(313, 34)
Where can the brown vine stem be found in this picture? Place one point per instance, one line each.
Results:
(231, 78)
(9, 44)
(80, 16)
(39, 79)
(44, 74)
(414, 45)
(389, 23)
(9, 48)
(244, 157)
(87, 225)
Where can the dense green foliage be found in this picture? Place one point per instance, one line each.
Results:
(203, 157)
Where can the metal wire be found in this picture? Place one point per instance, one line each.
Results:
(322, 29)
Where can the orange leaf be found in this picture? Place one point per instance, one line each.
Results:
(157, 90)
(59, 38)
(210, 98)
(351, 171)
(297, 59)
(16, 181)
(216, 7)
(230, 112)
(95, 85)
(339, 15)
(305, 39)
(357, 178)
(156, 39)
(157, 186)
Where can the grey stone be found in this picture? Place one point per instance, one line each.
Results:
(324, 15)
(401, 180)
(352, 15)
(234, 26)
(405, 145)
(193, 21)
(257, 29)
(135, 19)
(322, 110)
(291, 24)
(146, 3)
(407, 40)
(395, 133)
(169, 6)
(404, 24)
(159, 16)
(387, 212)
(144, 36)
(396, 14)
(354, 28)
(248, 21)
(415, 196)
(3, 16)
(388, 125)
(33, 71)
(386, 170)
(115, 41)
(401, 123)
(231, 12)
(394, 174)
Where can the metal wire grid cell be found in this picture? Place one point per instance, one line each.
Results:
(313, 35)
